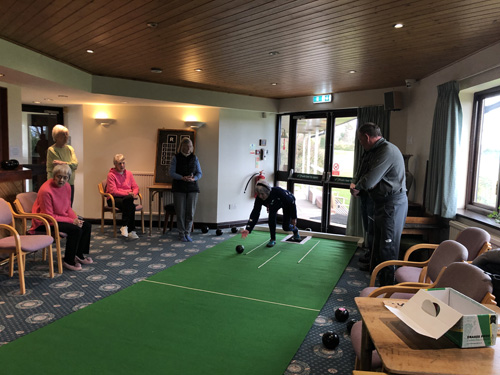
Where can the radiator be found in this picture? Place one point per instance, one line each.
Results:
(456, 227)
(144, 180)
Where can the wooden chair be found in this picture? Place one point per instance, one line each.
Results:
(476, 240)
(24, 205)
(20, 245)
(113, 209)
(426, 272)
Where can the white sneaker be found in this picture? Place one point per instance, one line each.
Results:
(132, 235)
(124, 231)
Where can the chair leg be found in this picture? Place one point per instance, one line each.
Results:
(114, 223)
(59, 257)
(142, 221)
(20, 271)
(11, 265)
(102, 219)
(51, 262)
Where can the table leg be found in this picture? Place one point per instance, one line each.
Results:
(160, 198)
(365, 360)
(151, 193)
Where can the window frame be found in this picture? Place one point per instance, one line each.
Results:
(475, 138)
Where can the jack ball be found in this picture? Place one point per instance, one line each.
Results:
(341, 314)
(234, 230)
(240, 249)
(218, 232)
(349, 325)
(330, 340)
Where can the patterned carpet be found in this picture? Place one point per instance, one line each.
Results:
(120, 262)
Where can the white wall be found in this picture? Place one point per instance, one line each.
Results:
(18, 135)
(134, 134)
(238, 131)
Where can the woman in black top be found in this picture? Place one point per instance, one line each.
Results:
(274, 199)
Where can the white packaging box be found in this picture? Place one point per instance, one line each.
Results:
(444, 311)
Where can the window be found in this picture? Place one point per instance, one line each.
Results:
(485, 151)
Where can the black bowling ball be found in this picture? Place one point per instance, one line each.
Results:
(240, 249)
(330, 340)
(341, 314)
(10, 164)
(204, 229)
(218, 232)
(349, 325)
(234, 230)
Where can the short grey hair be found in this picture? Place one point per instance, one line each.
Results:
(58, 129)
(118, 158)
(371, 129)
(64, 168)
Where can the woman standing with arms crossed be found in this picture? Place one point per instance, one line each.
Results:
(62, 153)
(185, 171)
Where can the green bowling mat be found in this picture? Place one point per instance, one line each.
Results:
(218, 312)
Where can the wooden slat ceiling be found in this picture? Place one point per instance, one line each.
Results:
(318, 42)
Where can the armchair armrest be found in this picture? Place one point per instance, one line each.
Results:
(389, 290)
(39, 217)
(429, 246)
(14, 233)
(400, 263)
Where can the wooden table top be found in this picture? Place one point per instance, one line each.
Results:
(160, 187)
(403, 351)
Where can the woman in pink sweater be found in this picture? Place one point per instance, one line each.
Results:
(54, 199)
(122, 186)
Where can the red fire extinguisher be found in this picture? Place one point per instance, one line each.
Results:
(256, 177)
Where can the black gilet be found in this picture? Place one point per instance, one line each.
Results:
(185, 165)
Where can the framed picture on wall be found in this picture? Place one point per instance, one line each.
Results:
(168, 141)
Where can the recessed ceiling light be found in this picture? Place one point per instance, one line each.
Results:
(274, 53)
(36, 102)
(152, 25)
(198, 70)
(2, 75)
(90, 51)
(398, 25)
(274, 84)
(156, 70)
(352, 71)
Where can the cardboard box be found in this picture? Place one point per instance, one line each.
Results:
(444, 311)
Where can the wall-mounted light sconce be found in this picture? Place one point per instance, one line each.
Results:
(105, 121)
(194, 124)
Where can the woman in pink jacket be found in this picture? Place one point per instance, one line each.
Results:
(54, 199)
(122, 186)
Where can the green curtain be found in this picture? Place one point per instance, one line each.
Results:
(441, 190)
(382, 118)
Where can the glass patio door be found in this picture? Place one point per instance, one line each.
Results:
(320, 147)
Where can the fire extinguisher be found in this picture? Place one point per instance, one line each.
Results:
(256, 177)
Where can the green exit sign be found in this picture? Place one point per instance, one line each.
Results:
(327, 98)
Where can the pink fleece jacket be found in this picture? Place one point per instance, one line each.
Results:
(120, 185)
(55, 201)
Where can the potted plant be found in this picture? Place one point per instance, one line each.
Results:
(495, 215)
